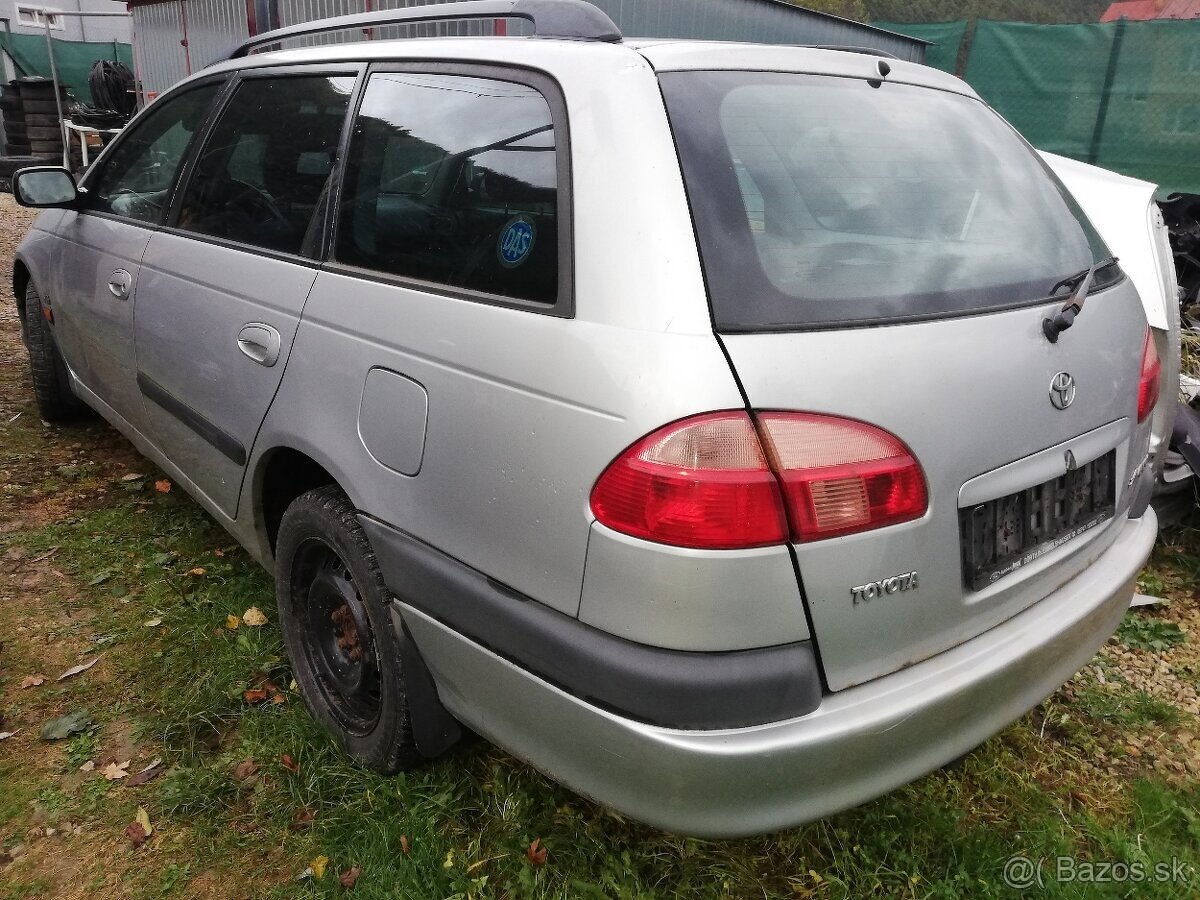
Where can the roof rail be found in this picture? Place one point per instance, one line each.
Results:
(866, 51)
(573, 19)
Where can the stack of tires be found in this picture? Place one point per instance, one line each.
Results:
(31, 123)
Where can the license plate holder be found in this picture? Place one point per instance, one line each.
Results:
(1001, 536)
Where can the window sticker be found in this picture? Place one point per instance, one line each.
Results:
(516, 242)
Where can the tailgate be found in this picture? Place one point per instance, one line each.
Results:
(971, 399)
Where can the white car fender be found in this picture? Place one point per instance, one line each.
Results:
(1124, 213)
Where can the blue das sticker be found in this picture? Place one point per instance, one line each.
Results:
(516, 242)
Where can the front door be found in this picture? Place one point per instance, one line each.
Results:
(103, 244)
(222, 287)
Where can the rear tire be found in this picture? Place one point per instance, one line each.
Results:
(333, 610)
(56, 401)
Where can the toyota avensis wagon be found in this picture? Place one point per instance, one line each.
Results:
(734, 432)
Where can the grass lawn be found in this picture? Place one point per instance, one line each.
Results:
(98, 560)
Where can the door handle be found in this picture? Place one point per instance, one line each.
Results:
(119, 284)
(259, 342)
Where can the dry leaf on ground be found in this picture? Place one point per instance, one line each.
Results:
(75, 670)
(33, 681)
(536, 853)
(318, 866)
(198, 571)
(89, 766)
(152, 623)
(232, 622)
(245, 769)
(349, 878)
(143, 819)
(151, 771)
(114, 771)
(254, 617)
(163, 486)
(404, 844)
(136, 834)
(290, 764)
(255, 695)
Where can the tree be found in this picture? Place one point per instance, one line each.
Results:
(847, 9)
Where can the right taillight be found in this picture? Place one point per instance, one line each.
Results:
(842, 476)
(1149, 381)
(717, 482)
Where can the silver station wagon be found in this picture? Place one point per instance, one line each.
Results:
(734, 432)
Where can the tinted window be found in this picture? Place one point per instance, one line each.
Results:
(265, 166)
(453, 180)
(822, 200)
(137, 176)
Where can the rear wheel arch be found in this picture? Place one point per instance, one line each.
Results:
(283, 475)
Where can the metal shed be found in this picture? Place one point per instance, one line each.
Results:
(173, 38)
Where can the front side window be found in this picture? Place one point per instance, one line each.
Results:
(453, 180)
(824, 201)
(136, 179)
(266, 165)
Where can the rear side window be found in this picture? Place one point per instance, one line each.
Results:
(452, 179)
(266, 164)
(822, 201)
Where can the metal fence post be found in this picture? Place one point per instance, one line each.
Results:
(1110, 76)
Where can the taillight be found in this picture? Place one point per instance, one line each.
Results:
(841, 476)
(1149, 382)
(707, 482)
(703, 482)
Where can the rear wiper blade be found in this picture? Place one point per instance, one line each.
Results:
(1080, 283)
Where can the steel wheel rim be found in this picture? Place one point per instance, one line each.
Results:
(338, 641)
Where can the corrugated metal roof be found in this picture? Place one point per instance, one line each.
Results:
(759, 21)
(1144, 10)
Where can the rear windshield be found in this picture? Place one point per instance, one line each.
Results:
(821, 201)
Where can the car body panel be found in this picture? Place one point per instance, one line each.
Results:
(96, 324)
(193, 308)
(967, 395)
(859, 744)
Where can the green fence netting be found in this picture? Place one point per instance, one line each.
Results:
(74, 59)
(944, 40)
(1123, 95)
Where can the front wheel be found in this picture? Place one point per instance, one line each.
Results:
(333, 610)
(56, 402)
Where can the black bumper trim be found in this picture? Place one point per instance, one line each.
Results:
(671, 688)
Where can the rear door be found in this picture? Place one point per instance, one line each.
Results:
(222, 288)
(887, 253)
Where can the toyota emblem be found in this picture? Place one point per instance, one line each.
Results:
(1062, 390)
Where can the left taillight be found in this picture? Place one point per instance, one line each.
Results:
(1148, 383)
(702, 482)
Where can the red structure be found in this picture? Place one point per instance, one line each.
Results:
(1143, 10)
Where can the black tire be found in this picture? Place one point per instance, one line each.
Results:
(16, 131)
(10, 103)
(45, 148)
(41, 107)
(40, 133)
(41, 121)
(37, 93)
(51, 385)
(329, 590)
(18, 149)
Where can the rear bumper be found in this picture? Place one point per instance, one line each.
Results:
(858, 744)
